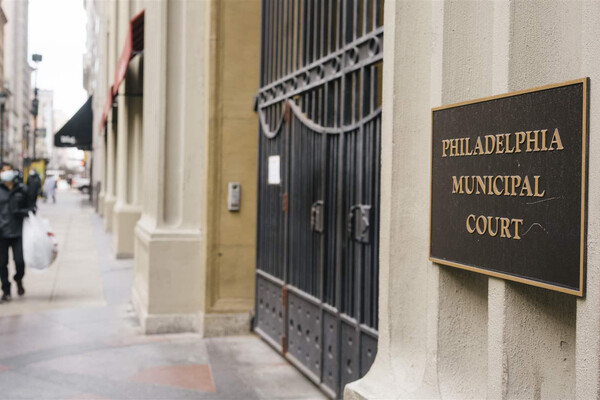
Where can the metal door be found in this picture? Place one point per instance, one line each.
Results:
(319, 107)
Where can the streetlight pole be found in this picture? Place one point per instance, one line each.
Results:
(2, 133)
(25, 140)
(34, 112)
(37, 58)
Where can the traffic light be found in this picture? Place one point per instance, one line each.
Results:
(34, 107)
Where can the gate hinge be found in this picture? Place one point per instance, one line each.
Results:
(286, 113)
(283, 344)
(284, 203)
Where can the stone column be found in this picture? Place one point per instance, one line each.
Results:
(109, 195)
(168, 288)
(446, 333)
(587, 345)
(122, 171)
(406, 362)
(99, 154)
(126, 213)
(136, 107)
(99, 166)
(532, 331)
(111, 57)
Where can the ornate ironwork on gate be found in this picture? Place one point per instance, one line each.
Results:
(319, 107)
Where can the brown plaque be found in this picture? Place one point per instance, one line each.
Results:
(509, 186)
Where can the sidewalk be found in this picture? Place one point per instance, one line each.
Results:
(75, 335)
(75, 277)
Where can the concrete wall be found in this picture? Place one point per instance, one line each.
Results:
(446, 333)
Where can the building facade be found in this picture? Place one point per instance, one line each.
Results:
(445, 332)
(194, 264)
(175, 131)
(17, 81)
(3, 22)
(44, 144)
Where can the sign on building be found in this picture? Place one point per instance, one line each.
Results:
(508, 186)
(40, 132)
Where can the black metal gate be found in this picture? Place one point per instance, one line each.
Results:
(319, 107)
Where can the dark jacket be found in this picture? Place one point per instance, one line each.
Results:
(14, 206)
(34, 188)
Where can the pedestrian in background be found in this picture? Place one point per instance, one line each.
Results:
(14, 207)
(34, 187)
(50, 188)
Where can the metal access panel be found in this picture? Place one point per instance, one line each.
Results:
(319, 109)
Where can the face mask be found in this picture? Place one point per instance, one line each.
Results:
(8, 176)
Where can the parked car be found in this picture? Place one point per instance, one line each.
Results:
(82, 184)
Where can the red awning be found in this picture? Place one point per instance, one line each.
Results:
(134, 44)
(106, 110)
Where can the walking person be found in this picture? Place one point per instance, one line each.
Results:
(50, 188)
(14, 206)
(34, 187)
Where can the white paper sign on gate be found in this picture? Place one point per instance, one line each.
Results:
(274, 177)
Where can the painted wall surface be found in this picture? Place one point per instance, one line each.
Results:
(232, 154)
(446, 333)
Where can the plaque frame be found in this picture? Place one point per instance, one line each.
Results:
(580, 291)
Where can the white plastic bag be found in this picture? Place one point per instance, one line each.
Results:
(39, 245)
